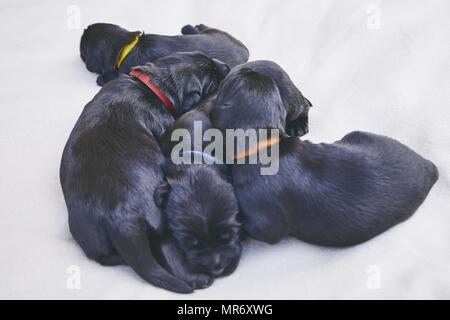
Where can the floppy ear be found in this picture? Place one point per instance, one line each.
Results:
(221, 67)
(161, 194)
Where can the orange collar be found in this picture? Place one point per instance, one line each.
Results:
(145, 79)
(265, 144)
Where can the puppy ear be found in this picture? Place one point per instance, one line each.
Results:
(221, 67)
(161, 194)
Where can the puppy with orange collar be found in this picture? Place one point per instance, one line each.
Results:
(295, 104)
(337, 194)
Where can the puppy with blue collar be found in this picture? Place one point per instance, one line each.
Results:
(199, 206)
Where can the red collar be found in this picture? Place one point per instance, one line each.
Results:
(145, 79)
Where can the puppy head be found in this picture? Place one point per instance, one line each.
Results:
(187, 77)
(101, 43)
(201, 211)
(248, 99)
(296, 105)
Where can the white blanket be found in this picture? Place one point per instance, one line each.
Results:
(379, 66)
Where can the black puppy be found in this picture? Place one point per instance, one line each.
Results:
(111, 164)
(295, 105)
(199, 114)
(337, 194)
(110, 50)
(200, 205)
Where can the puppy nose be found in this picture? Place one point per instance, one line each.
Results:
(217, 265)
(216, 261)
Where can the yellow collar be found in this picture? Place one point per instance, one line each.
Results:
(126, 50)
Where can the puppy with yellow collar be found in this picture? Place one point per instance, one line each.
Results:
(110, 50)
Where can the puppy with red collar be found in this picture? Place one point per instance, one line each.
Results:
(112, 164)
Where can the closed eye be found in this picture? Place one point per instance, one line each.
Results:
(226, 235)
(194, 97)
(191, 99)
(220, 103)
(194, 94)
(191, 241)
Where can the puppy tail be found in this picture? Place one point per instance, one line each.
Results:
(308, 103)
(433, 173)
(132, 242)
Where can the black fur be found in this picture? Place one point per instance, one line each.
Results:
(200, 206)
(296, 106)
(337, 194)
(201, 211)
(200, 113)
(101, 44)
(112, 164)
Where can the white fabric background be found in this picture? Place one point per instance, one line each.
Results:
(393, 81)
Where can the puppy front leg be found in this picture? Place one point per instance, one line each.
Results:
(130, 238)
(298, 127)
(173, 261)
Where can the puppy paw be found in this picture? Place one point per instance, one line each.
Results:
(101, 81)
(201, 281)
(298, 127)
(201, 27)
(188, 29)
